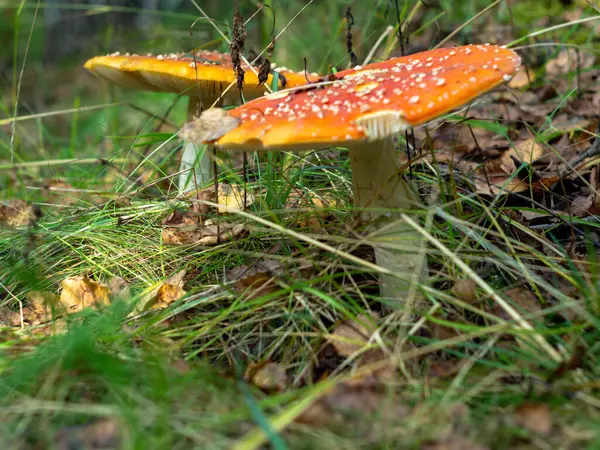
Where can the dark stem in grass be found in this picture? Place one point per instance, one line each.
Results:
(238, 42)
(350, 22)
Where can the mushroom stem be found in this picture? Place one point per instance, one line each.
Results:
(195, 157)
(382, 190)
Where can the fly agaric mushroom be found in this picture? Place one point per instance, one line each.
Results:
(204, 77)
(362, 109)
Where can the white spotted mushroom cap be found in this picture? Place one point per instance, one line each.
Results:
(209, 71)
(361, 104)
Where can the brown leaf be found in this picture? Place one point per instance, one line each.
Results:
(17, 213)
(583, 206)
(118, 287)
(351, 336)
(267, 376)
(60, 192)
(254, 280)
(80, 292)
(535, 417)
(525, 301)
(169, 291)
(527, 151)
(42, 306)
(351, 405)
(445, 368)
(318, 207)
(232, 196)
(167, 294)
(98, 434)
(495, 184)
(213, 234)
(523, 78)
(454, 442)
(182, 228)
(568, 60)
(176, 279)
(465, 290)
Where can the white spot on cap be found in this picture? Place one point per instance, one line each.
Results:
(440, 82)
(414, 99)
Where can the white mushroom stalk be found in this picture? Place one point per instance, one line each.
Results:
(383, 193)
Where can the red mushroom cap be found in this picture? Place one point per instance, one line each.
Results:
(209, 71)
(364, 103)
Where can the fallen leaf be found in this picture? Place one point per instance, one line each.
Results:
(42, 306)
(60, 192)
(351, 405)
(567, 61)
(445, 368)
(350, 336)
(254, 280)
(527, 151)
(535, 417)
(231, 196)
(176, 279)
(267, 376)
(182, 228)
(313, 209)
(465, 290)
(525, 301)
(80, 292)
(161, 296)
(118, 287)
(167, 294)
(18, 213)
(98, 434)
(212, 234)
(583, 206)
(454, 442)
(496, 184)
(523, 78)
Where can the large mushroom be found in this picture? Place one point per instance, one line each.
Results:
(362, 109)
(207, 77)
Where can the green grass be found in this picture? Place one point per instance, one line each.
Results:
(174, 378)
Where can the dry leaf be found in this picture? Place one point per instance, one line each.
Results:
(454, 442)
(118, 287)
(181, 228)
(60, 192)
(80, 292)
(352, 405)
(232, 196)
(17, 213)
(525, 301)
(527, 151)
(445, 368)
(568, 60)
(495, 184)
(523, 78)
(167, 294)
(268, 376)
(535, 417)
(42, 306)
(465, 290)
(169, 291)
(213, 234)
(98, 434)
(254, 279)
(351, 336)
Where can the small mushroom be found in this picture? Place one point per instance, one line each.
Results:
(362, 109)
(204, 77)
